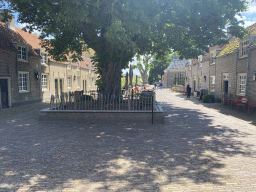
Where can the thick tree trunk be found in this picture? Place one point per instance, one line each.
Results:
(111, 78)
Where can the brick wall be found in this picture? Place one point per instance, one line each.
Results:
(59, 71)
(251, 84)
(34, 85)
(226, 64)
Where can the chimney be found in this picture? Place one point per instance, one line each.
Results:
(10, 23)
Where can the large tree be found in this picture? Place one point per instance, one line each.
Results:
(117, 29)
(143, 65)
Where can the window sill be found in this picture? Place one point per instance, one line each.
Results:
(23, 91)
(241, 57)
(212, 64)
(240, 94)
(44, 64)
(22, 60)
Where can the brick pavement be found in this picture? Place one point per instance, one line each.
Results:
(197, 149)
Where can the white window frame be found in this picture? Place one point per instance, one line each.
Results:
(44, 82)
(43, 60)
(241, 84)
(212, 83)
(89, 82)
(69, 65)
(213, 59)
(225, 76)
(69, 82)
(243, 49)
(78, 81)
(21, 55)
(23, 85)
(78, 66)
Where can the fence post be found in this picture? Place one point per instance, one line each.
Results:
(129, 102)
(152, 101)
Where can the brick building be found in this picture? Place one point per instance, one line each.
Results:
(28, 74)
(174, 74)
(19, 69)
(227, 69)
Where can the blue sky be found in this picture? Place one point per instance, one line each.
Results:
(249, 18)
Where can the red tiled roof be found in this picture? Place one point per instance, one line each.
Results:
(15, 36)
(35, 43)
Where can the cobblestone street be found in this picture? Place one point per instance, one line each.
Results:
(199, 148)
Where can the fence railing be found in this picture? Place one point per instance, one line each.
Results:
(79, 101)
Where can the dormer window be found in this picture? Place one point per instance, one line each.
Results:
(22, 53)
(43, 60)
(78, 67)
(243, 48)
(212, 59)
(69, 63)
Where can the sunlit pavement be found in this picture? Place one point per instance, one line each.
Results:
(197, 149)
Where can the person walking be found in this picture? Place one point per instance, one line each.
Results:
(188, 91)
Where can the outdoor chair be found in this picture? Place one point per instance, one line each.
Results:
(244, 103)
(184, 91)
(235, 101)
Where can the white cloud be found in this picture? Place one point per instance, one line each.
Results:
(239, 18)
(248, 23)
(251, 10)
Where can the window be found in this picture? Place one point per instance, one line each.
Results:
(69, 82)
(22, 54)
(43, 60)
(200, 65)
(241, 83)
(212, 59)
(68, 66)
(200, 82)
(78, 67)
(78, 81)
(225, 76)
(89, 82)
(244, 46)
(212, 83)
(23, 81)
(44, 82)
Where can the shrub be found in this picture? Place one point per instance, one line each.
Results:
(87, 97)
(209, 98)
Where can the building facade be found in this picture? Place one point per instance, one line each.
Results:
(227, 69)
(28, 74)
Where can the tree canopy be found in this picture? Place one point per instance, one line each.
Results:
(117, 29)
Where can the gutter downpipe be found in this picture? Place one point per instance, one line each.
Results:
(247, 72)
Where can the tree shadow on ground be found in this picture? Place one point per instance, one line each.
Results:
(120, 157)
(225, 109)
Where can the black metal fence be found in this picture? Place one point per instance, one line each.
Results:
(95, 101)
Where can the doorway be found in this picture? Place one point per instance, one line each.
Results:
(226, 87)
(225, 83)
(84, 86)
(4, 93)
(58, 87)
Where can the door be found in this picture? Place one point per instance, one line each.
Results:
(226, 87)
(56, 88)
(4, 93)
(60, 91)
